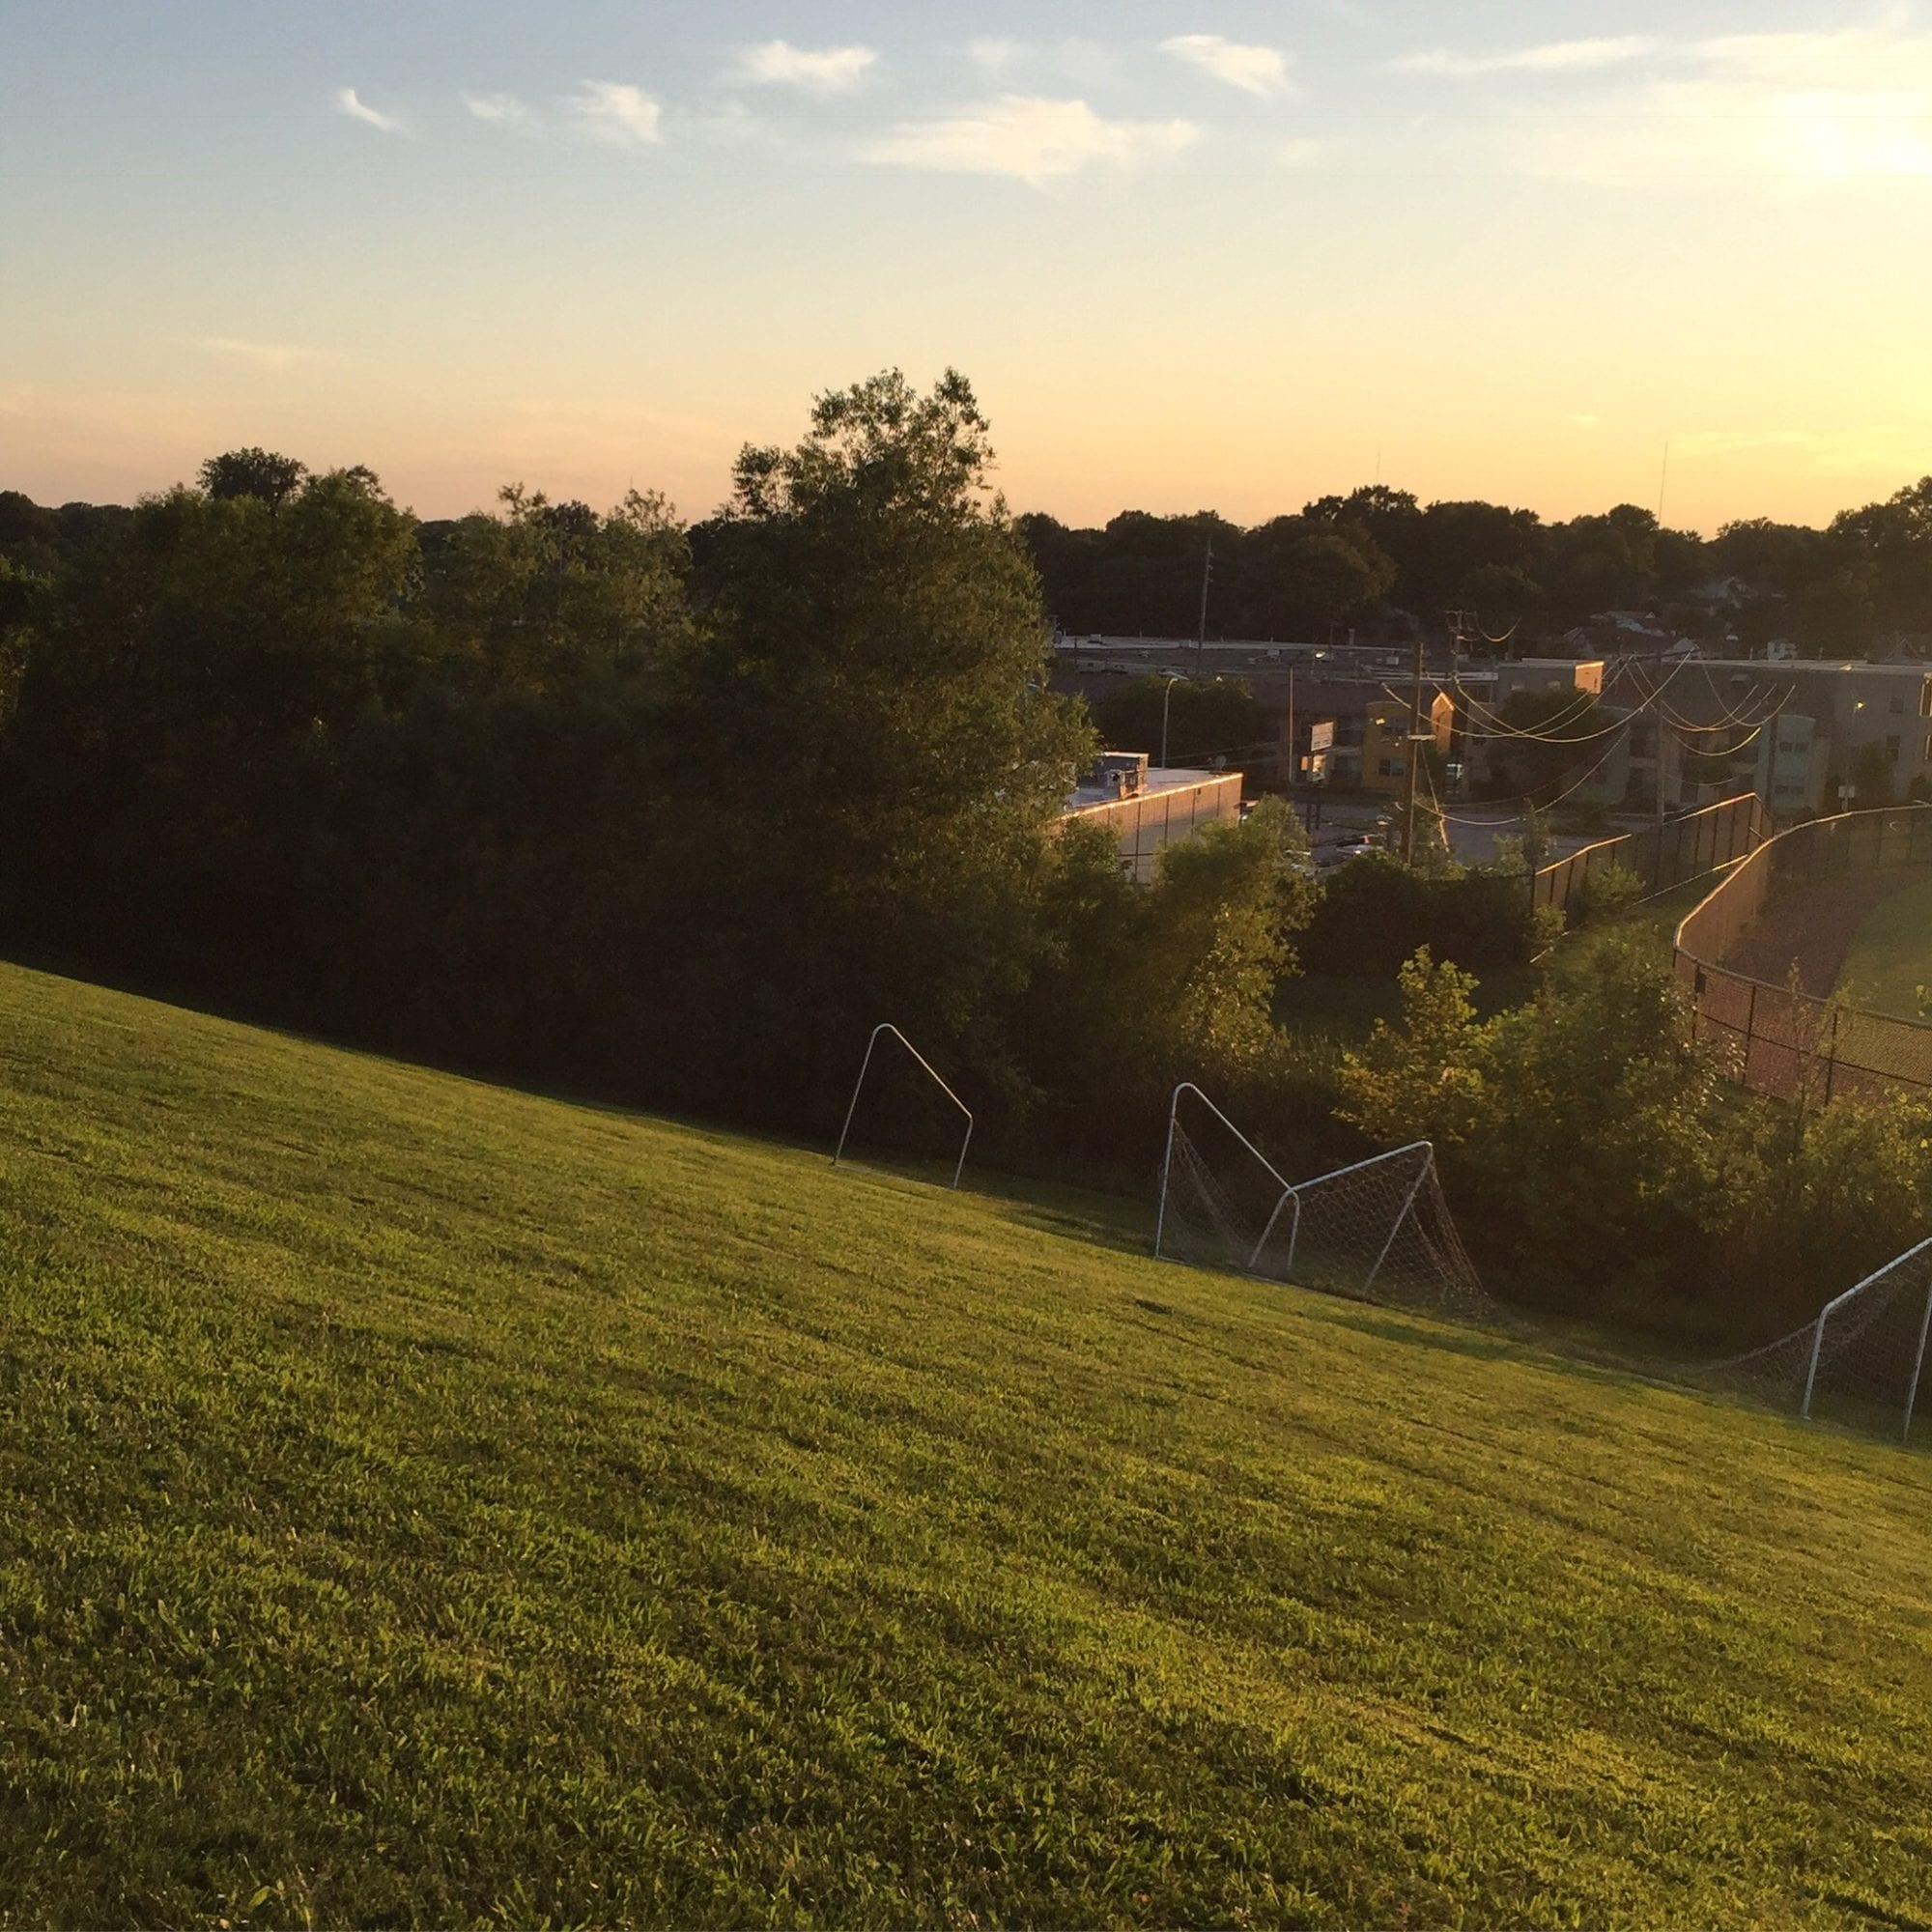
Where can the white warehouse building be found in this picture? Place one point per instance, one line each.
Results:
(1151, 806)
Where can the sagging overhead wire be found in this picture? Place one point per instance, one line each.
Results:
(1545, 804)
(1508, 731)
(1734, 714)
(1716, 696)
(1498, 727)
(1501, 729)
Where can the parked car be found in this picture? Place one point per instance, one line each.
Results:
(1349, 846)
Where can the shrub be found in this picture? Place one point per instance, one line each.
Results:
(1606, 892)
(1376, 912)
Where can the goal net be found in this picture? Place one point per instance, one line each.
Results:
(1378, 1230)
(901, 1112)
(1857, 1361)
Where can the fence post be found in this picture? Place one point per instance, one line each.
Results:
(1918, 1363)
(1832, 1065)
(1750, 1032)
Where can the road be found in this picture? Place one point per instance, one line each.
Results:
(1473, 829)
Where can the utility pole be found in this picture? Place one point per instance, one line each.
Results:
(1201, 630)
(1460, 624)
(1415, 758)
(1665, 737)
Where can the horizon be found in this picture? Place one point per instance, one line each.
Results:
(1243, 260)
(689, 517)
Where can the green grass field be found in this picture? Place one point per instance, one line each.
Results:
(427, 1503)
(1891, 955)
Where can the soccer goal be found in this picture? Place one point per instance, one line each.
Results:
(1377, 1230)
(858, 1086)
(1859, 1358)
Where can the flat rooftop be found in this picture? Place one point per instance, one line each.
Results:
(1159, 779)
(1258, 661)
(1816, 666)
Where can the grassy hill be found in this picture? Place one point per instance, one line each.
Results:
(425, 1502)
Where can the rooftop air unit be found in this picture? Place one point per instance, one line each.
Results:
(1123, 773)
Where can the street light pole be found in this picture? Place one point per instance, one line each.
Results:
(1201, 629)
(1166, 699)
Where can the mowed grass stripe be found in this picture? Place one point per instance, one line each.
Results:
(432, 1503)
(1890, 954)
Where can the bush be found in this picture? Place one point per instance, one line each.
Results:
(1582, 1136)
(1589, 817)
(1606, 892)
(1376, 912)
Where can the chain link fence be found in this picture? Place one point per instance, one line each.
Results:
(1662, 856)
(1781, 1039)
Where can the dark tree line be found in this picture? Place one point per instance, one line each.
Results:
(677, 816)
(1376, 560)
(558, 793)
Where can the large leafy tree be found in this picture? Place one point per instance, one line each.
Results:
(183, 674)
(1882, 559)
(1303, 575)
(260, 474)
(868, 761)
(545, 591)
(1200, 721)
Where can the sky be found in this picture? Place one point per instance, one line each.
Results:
(1191, 255)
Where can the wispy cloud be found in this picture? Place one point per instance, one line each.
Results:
(1841, 451)
(1835, 106)
(994, 54)
(733, 125)
(273, 356)
(1028, 139)
(618, 113)
(1554, 57)
(1082, 64)
(1255, 69)
(348, 102)
(815, 69)
(503, 109)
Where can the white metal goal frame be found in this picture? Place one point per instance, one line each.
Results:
(1922, 1250)
(1857, 1346)
(865, 1065)
(1291, 1191)
(1167, 1159)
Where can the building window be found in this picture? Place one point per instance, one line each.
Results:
(1388, 768)
(1925, 698)
(1899, 704)
(1892, 747)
